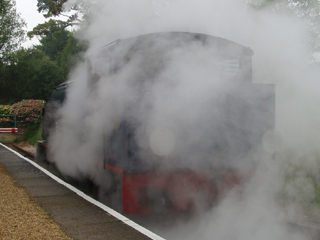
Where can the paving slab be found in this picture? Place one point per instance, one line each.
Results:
(36, 181)
(80, 218)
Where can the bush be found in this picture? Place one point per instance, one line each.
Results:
(5, 109)
(5, 121)
(33, 134)
(29, 112)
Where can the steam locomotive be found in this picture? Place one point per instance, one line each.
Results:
(195, 158)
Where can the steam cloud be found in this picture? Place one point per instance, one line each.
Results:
(280, 56)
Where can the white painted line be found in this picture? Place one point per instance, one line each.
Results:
(112, 212)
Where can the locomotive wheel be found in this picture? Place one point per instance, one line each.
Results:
(111, 194)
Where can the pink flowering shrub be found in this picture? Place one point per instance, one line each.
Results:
(5, 109)
(5, 121)
(28, 112)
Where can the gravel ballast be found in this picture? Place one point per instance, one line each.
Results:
(20, 216)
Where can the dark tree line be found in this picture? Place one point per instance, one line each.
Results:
(34, 72)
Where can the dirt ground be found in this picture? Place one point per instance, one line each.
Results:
(20, 216)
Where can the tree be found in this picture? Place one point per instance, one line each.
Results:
(53, 38)
(54, 43)
(46, 28)
(55, 8)
(307, 10)
(11, 24)
(71, 54)
(30, 74)
(52, 7)
(62, 47)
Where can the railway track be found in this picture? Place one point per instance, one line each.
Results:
(22, 151)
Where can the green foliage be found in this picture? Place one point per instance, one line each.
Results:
(33, 73)
(71, 54)
(47, 28)
(11, 32)
(5, 121)
(29, 115)
(33, 134)
(302, 179)
(29, 74)
(80, 11)
(52, 7)
(317, 194)
(5, 109)
(53, 43)
(307, 10)
(59, 44)
(29, 111)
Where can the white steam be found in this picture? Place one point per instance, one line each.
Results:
(280, 56)
(162, 142)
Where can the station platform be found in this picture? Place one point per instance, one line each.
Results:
(78, 214)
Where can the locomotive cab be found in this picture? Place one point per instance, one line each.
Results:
(149, 182)
(51, 108)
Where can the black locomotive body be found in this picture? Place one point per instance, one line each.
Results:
(229, 118)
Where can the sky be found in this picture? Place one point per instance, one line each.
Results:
(28, 11)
